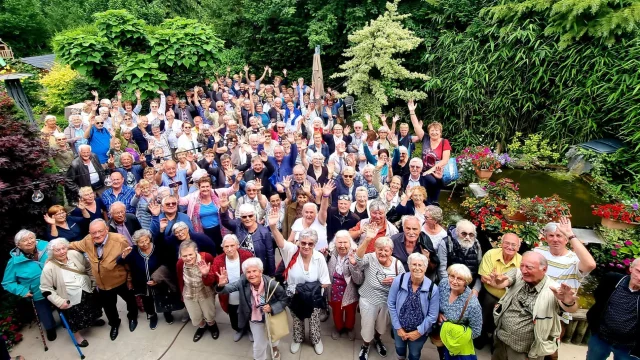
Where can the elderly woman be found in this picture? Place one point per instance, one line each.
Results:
(318, 147)
(413, 306)
(143, 198)
(305, 274)
(67, 282)
(195, 277)
(343, 292)
(203, 209)
(182, 233)
(159, 140)
(318, 170)
(435, 154)
(90, 203)
(50, 129)
(359, 207)
(414, 203)
(254, 198)
(75, 133)
(455, 295)
(231, 262)
(257, 295)
(22, 276)
(69, 227)
(432, 226)
(380, 269)
(150, 277)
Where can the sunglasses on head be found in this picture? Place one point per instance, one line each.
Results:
(344, 197)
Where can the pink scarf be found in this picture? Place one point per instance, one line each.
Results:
(256, 315)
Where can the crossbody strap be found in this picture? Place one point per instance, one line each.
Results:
(67, 268)
(272, 291)
(465, 307)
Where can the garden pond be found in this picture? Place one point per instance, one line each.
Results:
(570, 188)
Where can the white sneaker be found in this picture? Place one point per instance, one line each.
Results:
(318, 348)
(295, 347)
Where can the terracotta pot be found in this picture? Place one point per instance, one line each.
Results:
(618, 225)
(518, 216)
(484, 174)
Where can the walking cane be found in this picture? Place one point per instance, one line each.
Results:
(44, 342)
(73, 338)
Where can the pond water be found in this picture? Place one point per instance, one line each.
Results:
(572, 189)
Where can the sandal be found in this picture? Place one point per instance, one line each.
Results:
(276, 354)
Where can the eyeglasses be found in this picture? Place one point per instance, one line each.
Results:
(171, 204)
(453, 278)
(280, 127)
(415, 166)
(246, 216)
(465, 234)
(346, 176)
(307, 244)
(187, 127)
(509, 246)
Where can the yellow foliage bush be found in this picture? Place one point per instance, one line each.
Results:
(59, 87)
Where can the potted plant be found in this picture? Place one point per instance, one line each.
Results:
(481, 160)
(543, 210)
(623, 215)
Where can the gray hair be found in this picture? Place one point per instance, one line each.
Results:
(362, 189)
(377, 204)
(465, 223)
(252, 262)
(416, 160)
(462, 271)
(84, 147)
(250, 183)
(410, 217)
(162, 190)
(310, 205)
(418, 257)
(54, 243)
(348, 168)
(117, 203)
(22, 234)
(634, 263)
(384, 242)
(368, 167)
(124, 153)
(246, 208)
(230, 237)
(140, 234)
(96, 221)
(179, 225)
(188, 244)
(541, 259)
(103, 109)
(309, 234)
(550, 227)
(435, 212)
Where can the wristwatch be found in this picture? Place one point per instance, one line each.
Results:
(572, 237)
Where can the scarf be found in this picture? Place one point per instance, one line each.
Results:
(256, 315)
(287, 114)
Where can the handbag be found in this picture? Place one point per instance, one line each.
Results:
(456, 336)
(278, 324)
(450, 171)
(167, 301)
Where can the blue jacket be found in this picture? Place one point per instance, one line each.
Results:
(262, 241)
(155, 224)
(23, 275)
(285, 168)
(342, 189)
(430, 306)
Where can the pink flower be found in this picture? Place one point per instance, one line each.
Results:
(627, 262)
(620, 266)
(612, 264)
(618, 246)
(614, 253)
(628, 243)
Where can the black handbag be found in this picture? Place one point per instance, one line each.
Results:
(167, 301)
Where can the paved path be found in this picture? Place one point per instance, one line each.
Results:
(176, 341)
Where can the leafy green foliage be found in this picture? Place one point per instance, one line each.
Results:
(23, 27)
(89, 54)
(532, 151)
(372, 72)
(121, 28)
(139, 71)
(611, 174)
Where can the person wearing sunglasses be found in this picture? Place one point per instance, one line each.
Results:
(99, 138)
(167, 215)
(416, 178)
(462, 247)
(252, 236)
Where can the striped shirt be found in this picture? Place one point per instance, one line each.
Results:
(372, 288)
(563, 269)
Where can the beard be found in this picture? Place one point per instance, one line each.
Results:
(466, 244)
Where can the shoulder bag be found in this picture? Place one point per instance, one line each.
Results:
(278, 324)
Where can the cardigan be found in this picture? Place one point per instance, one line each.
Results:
(262, 241)
(52, 282)
(429, 302)
(546, 319)
(207, 280)
(357, 277)
(220, 262)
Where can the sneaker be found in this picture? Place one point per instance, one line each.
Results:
(153, 322)
(324, 315)
(318, 348)
(364, 352)
(238, 335)
(351, 334)
(295, 347)
(250, 336)
(335, 335)
(168, 317)
(382, 350)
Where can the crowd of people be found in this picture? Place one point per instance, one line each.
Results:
(188, 203)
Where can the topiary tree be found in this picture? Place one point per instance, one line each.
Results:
(374, 73)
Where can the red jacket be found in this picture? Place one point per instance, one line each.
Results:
(206, 279)
(218, 263)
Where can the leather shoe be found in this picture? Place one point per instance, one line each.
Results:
(114, 332)
(99, 322)
(215, 332)
(51, 335)
(84, 343)
(199, 332)
(133, 324)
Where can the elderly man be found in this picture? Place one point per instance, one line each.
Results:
(339, 217)
(565, 266)
(262, 169)
(168, 215)
(462, 247)
(63, 155)
(414, 178)
(614, 319)
(377, 220)
(131, 172)
(496, 261)
(103, 248)
(175, 179)
(298, 181)
(253, 237)
(231, 261)
(347, 183)
(85, 170)
(184, 112)
(276, 113)
(99, 138)
(413, 240)
(122, 222)
(119, 192)
(181, 233)
(527, 317)
(283, 165)
(400, 161)
(339, 135)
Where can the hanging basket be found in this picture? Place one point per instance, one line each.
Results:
(484, 174)
(617, 225)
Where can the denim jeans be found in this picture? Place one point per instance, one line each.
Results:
(599, 349)
(415, 347)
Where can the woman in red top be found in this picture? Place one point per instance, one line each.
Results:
(435, 153)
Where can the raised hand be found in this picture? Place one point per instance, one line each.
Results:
(126, 252)
(164, 222)
(371, 231)
(263, 156)
(224, 202)
(383, 117)
(438, 172)
(367, 117)
(411, 104)
(94, 93)
(565, 294)
(396, 118)
(49, 220)
(138, 94)
(119, 95)
(138, 190)
(257, 184)
(352, 257)
(190, 156)
(159, 92)
(317, 188)
(331, 165)
(274, 216)
(286, 181)
(204, 267)
(154, 209)
(564, 226)
(346, 130)
(306, 187)
(239, 177)
(328, 188)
